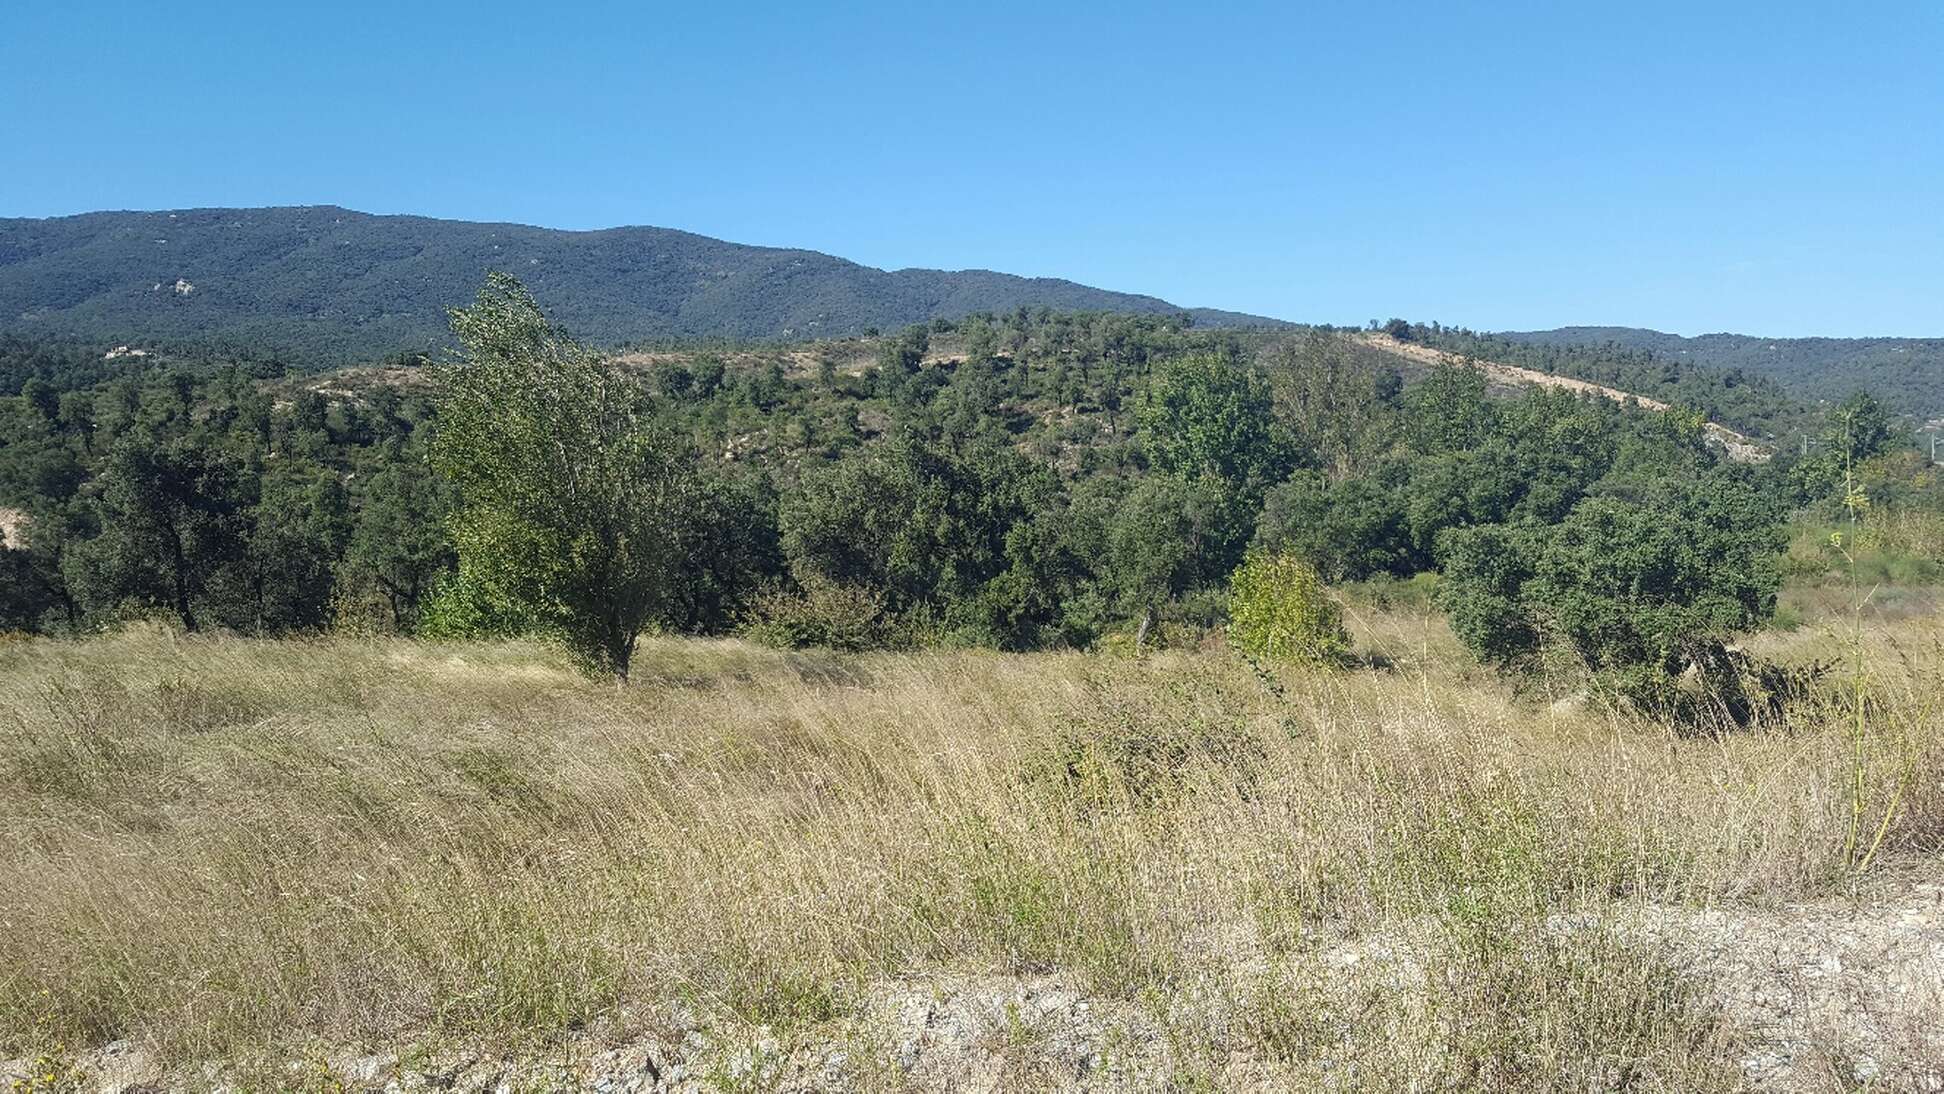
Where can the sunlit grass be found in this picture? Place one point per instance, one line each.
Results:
(224, 846)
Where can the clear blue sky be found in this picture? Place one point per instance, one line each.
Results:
(1772, 168)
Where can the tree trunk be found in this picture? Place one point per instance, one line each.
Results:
(179, 581)
(183, 611)
(620, 653)
(1140, 635)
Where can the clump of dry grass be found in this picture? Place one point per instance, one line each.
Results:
(223, 846)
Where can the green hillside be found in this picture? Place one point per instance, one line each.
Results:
(1907, 373)
(330, 285)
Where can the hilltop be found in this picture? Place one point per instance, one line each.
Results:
(331, 285)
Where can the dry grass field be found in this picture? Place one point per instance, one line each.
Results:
(349, 862)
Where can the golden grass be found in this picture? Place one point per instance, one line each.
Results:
(226, 847)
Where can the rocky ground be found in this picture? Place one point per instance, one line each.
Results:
(1829, 994)
(1838, 994)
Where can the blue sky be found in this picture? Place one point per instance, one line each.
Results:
(1773, 168)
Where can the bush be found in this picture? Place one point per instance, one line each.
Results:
(1645, 596)
(824, 613)
(459, 606)
(1278, 609)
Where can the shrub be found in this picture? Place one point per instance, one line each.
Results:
(1279, 609)
(460, 606)
(824, 613)
(1644, 595)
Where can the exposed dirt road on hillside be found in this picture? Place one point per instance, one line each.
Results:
(1738, 447)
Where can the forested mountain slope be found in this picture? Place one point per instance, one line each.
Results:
(1907, 373)
(1738, 447)
(331, 285)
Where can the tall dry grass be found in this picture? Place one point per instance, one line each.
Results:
(225, 846)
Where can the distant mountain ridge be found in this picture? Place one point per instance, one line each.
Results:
(1907, 373)
(337, 285)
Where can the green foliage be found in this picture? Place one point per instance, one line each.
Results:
(1448, 411)
(1524, 460)
(302, 523)
(573, 508)
(1338, 398)
(173, 529)
(823, 614)
(399, 543)
(1167, 537)
(456, 605)
(1203, 416)
(1749, 371)
(1739, 390)
(1278, 609)
(939, 532)
(1018, 480)
(1636, 592)
(1348, 530)
(1853, 432)
(729, 547)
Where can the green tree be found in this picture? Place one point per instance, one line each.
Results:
(1202, 416)
(572, 507)
(730, 542)
(1278, 609)
(1860, 427)
(1446, 411)
(1348, 530)
(1336, 398)
(298, 530)
(1855, 430)
(399, 543)
(923, 526)
(1157, 545)
(172, 514)
(1636, 592)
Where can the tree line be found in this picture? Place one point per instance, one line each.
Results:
(1022, 481)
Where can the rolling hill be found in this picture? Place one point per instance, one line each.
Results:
(1907, 373)
(333, 285)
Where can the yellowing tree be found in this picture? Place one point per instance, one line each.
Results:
(1278, 609)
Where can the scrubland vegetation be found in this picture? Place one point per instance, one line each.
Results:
(1306, 719)
(241, 849)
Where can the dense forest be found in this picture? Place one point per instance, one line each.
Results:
(1750, 404)
(1906, 373)
(324, 285)
(1021, 481)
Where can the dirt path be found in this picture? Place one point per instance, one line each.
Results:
(1739, 448)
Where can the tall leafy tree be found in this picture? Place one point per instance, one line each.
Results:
(1337, 397)
(1857, 429)
(399, 542)
(174, 526)
(1203, 416)
(1208, 422)
(572, 504)
(1447, 411)
(1157, 545)
(299, 527)
(928, 526)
